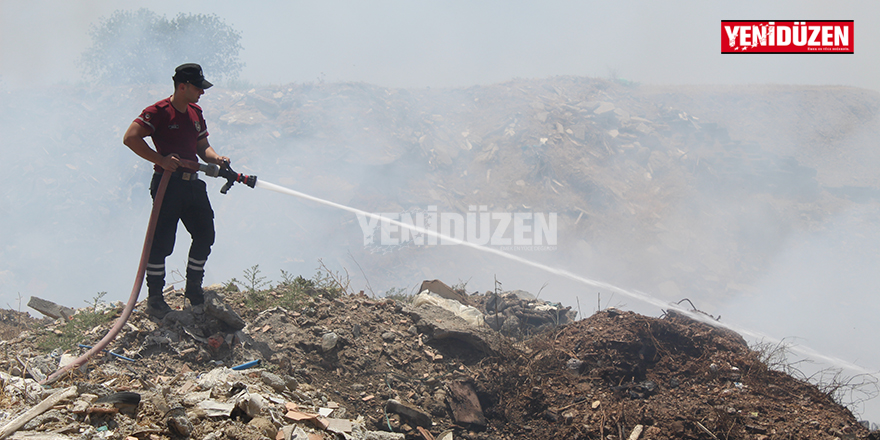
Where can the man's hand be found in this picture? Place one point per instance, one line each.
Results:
(134, 139)
(208, 154)
(170, 162)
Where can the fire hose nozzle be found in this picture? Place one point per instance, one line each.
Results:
(250, 181)
(229, 174)
(232, 177)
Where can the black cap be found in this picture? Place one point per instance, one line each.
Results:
(191, 73)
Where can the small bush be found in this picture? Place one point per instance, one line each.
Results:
(74, 330)
(292, 292)
(399, 294)
(253, 278)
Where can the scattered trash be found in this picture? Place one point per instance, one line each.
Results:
(42, 407)
(246, 365)
(109, 352)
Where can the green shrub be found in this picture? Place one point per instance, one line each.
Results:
(75, 329)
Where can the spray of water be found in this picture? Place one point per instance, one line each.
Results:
(639, 296)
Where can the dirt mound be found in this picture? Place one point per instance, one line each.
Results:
(357, 367)
(616, 372)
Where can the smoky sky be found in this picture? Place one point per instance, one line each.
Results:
(460, 43)
(825, 276)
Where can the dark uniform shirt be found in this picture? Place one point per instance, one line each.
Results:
(174, 131)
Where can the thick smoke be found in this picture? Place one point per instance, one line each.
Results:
(786, 252)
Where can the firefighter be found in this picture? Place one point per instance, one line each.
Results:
(178, 131)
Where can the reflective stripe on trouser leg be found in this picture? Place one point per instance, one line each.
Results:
(195, 271)
(156, 270)
(155, 278)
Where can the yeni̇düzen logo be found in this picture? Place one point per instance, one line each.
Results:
(787, 36)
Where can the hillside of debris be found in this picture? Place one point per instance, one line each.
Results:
(672, 190)
(316, 363)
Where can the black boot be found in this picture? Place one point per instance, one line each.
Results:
(194, 293)
(156, 305)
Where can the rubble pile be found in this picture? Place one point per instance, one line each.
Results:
(619, 372)
(357, 367)
(621, 164)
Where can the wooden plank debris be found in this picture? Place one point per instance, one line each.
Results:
(42, 407)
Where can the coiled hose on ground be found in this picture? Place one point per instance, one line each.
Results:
(135, 291)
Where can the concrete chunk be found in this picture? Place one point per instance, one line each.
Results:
(50, 309)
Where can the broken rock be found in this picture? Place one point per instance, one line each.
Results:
(470, 314)
(409, 412)
(264, 425)
(215, 307)
(179, 423)
(328, 341)
(465, 405)
(274, 381)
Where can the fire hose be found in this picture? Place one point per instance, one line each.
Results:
(210, 170)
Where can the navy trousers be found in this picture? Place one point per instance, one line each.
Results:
(185, 201)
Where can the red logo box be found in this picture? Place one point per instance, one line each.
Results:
(809, 36)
